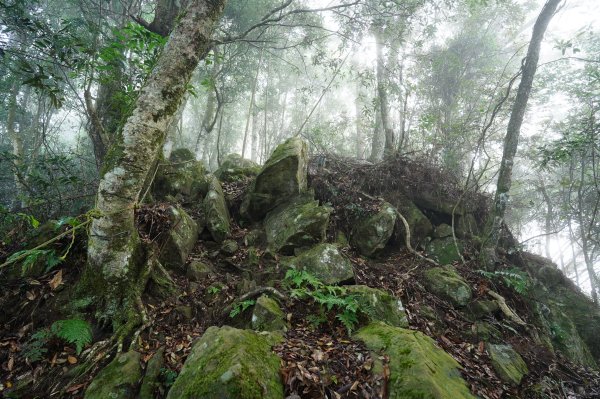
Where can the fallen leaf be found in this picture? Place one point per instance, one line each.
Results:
(30, 295)
(56, 280)
(71, 359)
(11, 363)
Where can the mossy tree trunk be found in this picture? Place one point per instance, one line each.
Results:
(115, 274)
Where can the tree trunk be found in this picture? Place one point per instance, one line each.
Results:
(549, 219)
(383, 101)
(517, 114)
(17, 145)
(116, 270)
(251, 106)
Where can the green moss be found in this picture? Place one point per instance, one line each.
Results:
(230, 363)
(283, 176)
(418, 368)
(446, 283)
(379, 305)
(180, 240)
(216, 211)
(297, 224)
(508, 364)
(325, 262)
(235, 168)
(267, 315)
(444, 250)
(372, 233)
(118, 380)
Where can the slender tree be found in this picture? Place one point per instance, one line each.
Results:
(511, 140)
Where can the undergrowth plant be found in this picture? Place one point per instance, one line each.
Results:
(329, 297)
(73, 331)
(513, 278)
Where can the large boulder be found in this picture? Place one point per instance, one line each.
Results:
(180, 240)
(216, 212)
(444, 250)
(230, 363)
(446, 283)
(570, 317)
(235, 168)
(118, 380)
(418, 367)
(372, 233)
(325, 262)
(379, 305)
(299, 223)
(282, 177)
(179, 178)
(507, 363)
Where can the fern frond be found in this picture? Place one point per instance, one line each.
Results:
(74, 331)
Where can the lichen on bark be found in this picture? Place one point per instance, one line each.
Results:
(116, 271)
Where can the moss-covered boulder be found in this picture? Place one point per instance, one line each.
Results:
(325, 262)
(467, 226)
(180, 177)
(419, 369)
(199, 271)
(299, 223)
(372, 233)
(235, 168)
(118, 380)
(446, 283)
(216, 212)
(442, 231)
(507, 363)
(179, 241)
(379, 305)
(282, 177)
(568, 316)
(443, 250)
(267, 315)
(230, 363)
(420, 226)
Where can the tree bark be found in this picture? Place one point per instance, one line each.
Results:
(511, 141)
(251, 105)
(382, 95)
(115, 268)
(17, 145)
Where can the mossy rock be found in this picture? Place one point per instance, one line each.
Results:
(180, 177)
(216, 212)
(235, 168)
(283, 177)
(482, 308)
(379, 305)
(442, 231)
(180, 240)
(230, 363)
(325, 262)
(267, 315)
(446, 283)
(419, 369)
(507, 363)
(118, 380)
(151, 381)
(199, 271)
(467, 226)
(420, 226)
(443, 250)
(297, 224)
(372, 233)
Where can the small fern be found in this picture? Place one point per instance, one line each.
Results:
(328, 297)
(74, 331)
(513, 278)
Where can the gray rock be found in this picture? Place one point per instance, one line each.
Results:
(507, 363)
(372, 233)
(325, 262)
(180, 240)
(446, 283)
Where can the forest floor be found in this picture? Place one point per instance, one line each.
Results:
(317, 361)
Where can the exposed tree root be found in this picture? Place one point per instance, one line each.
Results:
(508, 312)
(407, 241)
